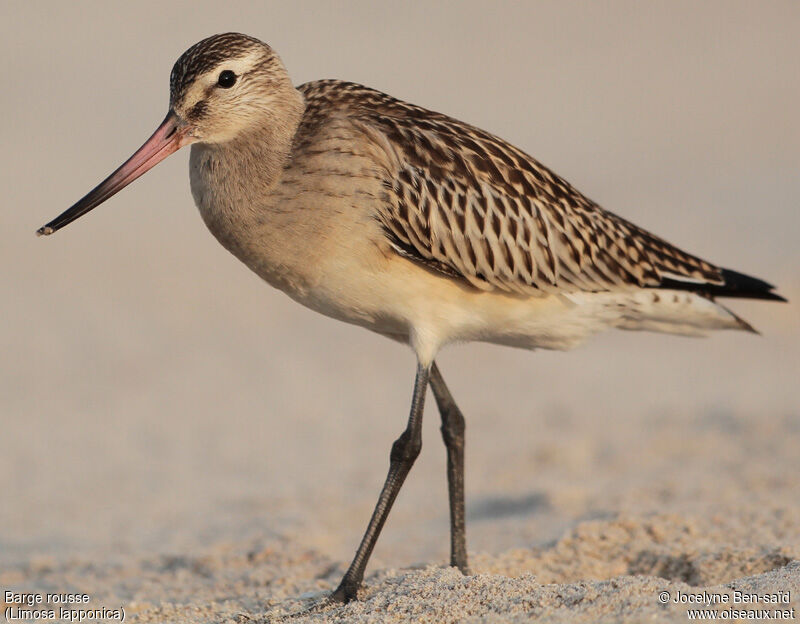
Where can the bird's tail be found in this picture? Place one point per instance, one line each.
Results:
(679, 312)
(736, 285)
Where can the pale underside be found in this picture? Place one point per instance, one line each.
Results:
(430, 231)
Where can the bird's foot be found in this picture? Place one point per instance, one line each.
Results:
(344, 593)
(460, 562)
(341, 596)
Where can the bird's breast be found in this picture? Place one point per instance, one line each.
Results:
(309, 235)
(238, 209)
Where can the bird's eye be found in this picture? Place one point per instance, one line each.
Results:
(226, 79)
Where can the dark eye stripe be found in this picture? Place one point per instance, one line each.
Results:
(198, 110)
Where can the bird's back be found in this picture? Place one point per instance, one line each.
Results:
(472, 206)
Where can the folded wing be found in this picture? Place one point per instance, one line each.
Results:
(468, 204)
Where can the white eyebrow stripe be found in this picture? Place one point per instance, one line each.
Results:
(239, 66)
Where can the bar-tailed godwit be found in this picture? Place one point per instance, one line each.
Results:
(414, 225)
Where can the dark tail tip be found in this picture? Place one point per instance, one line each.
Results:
(745, 287)
(736, 285)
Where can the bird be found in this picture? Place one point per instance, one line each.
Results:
(416, 226)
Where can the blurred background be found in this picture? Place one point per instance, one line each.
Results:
(155, 395)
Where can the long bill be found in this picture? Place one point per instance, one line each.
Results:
(168, 138)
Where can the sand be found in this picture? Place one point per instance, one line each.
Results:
(181, 441)
(669, 516)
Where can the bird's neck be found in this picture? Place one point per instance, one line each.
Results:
(240, 174)
(258, 155)
(235, 183)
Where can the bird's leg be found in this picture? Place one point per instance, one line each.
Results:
(404, 451)
(453, 433)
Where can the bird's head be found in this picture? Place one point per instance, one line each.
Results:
(220, 88)
(223, 85)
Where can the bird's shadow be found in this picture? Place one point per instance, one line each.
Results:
(494, 507)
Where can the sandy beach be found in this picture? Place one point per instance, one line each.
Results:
(183, 442)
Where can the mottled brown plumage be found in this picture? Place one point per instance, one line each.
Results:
(471, 205)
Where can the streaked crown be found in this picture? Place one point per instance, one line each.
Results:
(206, 55)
